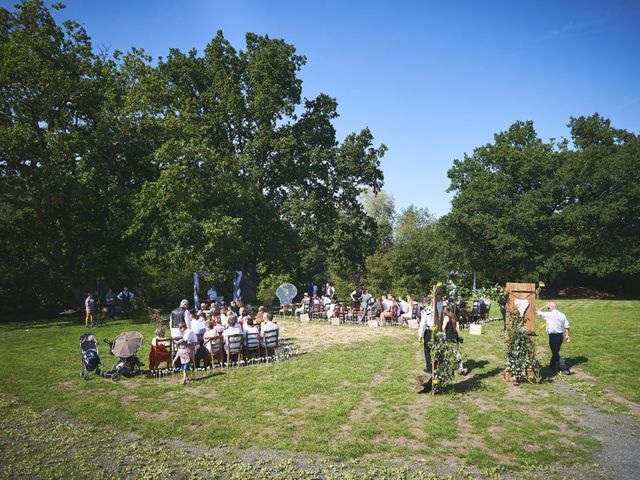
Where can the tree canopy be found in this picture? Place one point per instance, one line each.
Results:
(118, 168)
(563, 212)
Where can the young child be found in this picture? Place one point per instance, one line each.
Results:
(184, 354)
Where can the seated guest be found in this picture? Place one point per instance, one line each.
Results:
(407, 311)
(160, 350)
(224, 317)
(304, 307)
(198, 324)
(391, 311)
(326, 302)
(204, 309)
(402, 307)
(210, 333)
(233, 328)
(333, 311)
(249, 327)
(234, 307)
(315, 304)
(246, 316)
(259, 315)
(267, 326)
(377, 308)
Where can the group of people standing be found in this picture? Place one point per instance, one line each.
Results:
(92, 305)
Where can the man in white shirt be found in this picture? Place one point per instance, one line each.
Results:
(234, 328)
(267, 326)
(557, 323)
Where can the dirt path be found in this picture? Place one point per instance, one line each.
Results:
(619, 433)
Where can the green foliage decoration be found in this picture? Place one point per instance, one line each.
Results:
(443, 356)
(521, 360)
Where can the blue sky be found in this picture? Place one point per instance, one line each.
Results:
(432, 80)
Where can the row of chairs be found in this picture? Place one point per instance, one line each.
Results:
(238, 345)
(348, 314)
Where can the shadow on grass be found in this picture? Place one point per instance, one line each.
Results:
(472, 365)
(474, 382)
(205, 377)
(548, 373)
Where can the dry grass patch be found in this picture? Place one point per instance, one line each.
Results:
(312, 336)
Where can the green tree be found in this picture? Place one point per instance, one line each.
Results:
(503, 204)
(245, 181)
(381, 208)
(597, 217)
(53, 194)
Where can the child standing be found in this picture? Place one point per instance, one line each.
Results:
(184, 354)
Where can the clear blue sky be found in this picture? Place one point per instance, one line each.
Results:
(431, 79)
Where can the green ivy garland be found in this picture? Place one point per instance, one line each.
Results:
(521, 359)
(443, 357)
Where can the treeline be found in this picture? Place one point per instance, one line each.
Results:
(566, 213)
(126, 171)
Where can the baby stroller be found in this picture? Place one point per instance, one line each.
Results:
(125, 346)
(90, 355)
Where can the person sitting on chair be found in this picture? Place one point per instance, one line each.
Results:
(304, 307)
(267, 326)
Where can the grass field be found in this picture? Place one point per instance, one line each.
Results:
(347, 400)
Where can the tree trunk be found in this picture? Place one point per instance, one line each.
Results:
(249, 283)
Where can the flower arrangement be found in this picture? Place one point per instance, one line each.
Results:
(521, 361)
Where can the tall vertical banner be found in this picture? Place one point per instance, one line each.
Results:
(196, 287)
(237, 292)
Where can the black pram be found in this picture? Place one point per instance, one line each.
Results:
(90, 355)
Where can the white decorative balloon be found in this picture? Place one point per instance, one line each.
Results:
(286, 293)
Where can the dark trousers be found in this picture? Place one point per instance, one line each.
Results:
(427, 350)
(555, 342)
(111, 312)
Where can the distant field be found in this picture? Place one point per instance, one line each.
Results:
(348, 397)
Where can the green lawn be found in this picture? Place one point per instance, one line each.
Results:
(348, 397)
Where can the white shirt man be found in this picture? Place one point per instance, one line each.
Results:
(331, 291)
(557, 322)
(326, 302)
(267, 326)
(234, 328)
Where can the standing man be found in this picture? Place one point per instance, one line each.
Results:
(180, 315)
(110, 298)
(212, 294)
(125, 297)
(90, 309)
(557, 323)
(331, 291)
(365, 302)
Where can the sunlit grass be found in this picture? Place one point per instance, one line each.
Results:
(345, 401)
